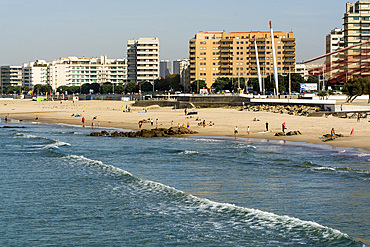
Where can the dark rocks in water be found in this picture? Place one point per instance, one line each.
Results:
(13, 127)
(327, 137)
(290, 133)
(160, 132)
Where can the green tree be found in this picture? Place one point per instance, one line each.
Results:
(354, 87)
(130, 87)
(220, 84)
(106, 88)
(119, 89)
(38, 88)
(194, 85)
(85, 88)
(174, 82)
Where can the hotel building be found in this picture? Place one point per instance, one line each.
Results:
(221, 54)
(35, 73)
(143, 59)
(10, 76)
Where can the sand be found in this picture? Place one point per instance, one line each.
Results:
(109, 114)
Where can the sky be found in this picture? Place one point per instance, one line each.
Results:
(50, 29)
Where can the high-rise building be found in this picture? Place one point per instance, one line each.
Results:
(356, 30)
(143, 59)
(165, 68)
(221, 54)
(334, 42)
(184, 72)
(10, 76)
(176, 66)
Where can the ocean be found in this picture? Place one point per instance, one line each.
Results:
(61, 187)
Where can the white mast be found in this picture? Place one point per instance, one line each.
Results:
(258, 64)
(274, 60)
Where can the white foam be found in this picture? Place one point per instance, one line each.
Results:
(189, 152)
(98, 163)
(57, 144)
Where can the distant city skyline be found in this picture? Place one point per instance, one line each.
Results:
(48, 30)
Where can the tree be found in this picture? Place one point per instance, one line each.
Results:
(118, 89)
(130, 87)
(38, 88)
(355, 87)
(367, 87)
(220, 84)
(194, 85)
(106, 88)
(174, 82)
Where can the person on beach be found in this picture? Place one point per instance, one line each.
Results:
(267, 126)
(171, 123)
(358, 117)
(37, 118)
(332, 134)
(248, 130)
(83, 122)
(156, 122)
(283, 127)
(92, 125)
(151, 122)
(188, 125)
(204, 123)
(140, 124)
(186, 111)
(6, 118)
(236, 132)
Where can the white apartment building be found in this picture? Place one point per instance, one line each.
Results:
(301, 69)
(334, 42)
(76, 71)
(10, 76)
(35, 73)
(143, 59)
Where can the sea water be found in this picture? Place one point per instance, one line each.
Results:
(61, 187)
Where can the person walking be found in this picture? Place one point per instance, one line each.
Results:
(267, 126)
(332, 134)
(248, 130)
(83, 122)
(283, 127)
(236, 132)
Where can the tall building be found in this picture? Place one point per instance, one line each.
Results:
(221, 54)
(165, 68)
(35, 73)
(10, 76)
(143, 59)
(184, 72)
(334, 42)
(176, 66)
(76, 71)
(356, 30)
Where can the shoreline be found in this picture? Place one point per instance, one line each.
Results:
(108, 114)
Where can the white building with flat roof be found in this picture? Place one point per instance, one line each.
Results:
(76, 71)
(143, 59)
(35, 73)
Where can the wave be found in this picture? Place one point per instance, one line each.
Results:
(97, 163)
(27, 136)
(186, 152)
(251, 218)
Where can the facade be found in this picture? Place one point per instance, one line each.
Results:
(10, 76)
(143, 59)
(35, 73)
(334, 42)
(165, 68)
(76, 71)
(356, 30)
(301, 69)
(184, 72)
(221, 54)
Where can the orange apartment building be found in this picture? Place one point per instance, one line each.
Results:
(233, 55)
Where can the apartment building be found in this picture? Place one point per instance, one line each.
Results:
(35, 73)
(334, 42)
(143, 59)
(10, 76)
(221, 54)
(76, 71)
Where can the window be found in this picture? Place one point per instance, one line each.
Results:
(356, 18)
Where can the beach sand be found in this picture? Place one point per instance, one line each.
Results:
(109, 114)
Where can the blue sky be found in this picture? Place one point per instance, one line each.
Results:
(49, 29)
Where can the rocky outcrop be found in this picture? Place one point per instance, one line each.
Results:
(298, 110)
(290, 133)
(327, 137)
(13, 127)
(159, 132)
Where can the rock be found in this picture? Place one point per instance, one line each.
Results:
(279, 134)
(161, 132)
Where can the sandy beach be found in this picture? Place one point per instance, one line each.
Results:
(110, 114)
